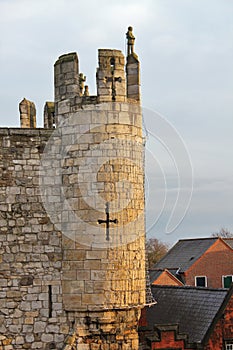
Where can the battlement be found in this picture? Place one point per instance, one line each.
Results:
(116, 82)
(27, 114)
(111, 80)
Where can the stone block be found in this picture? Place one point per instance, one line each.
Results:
(96, 254)
(32, 314)
(52, 328)
(47, 338)
(74, 255)
(73, 287)
(3, 281)
(25, 306)
(93, 299)
(69, 275)
(29, 338)
(59, 338)
(72, 265)
(98, 275)
(84, 346)
(14, 294)
(19, 340)
(64, 329)
(72, 302)
(25, 248)
(92, 264)
(57, 306)
(42, 296)
(84, 275)
(64, 107)
(89, 286)
(39, 327)
(56, 289)
(15, 328)
(29, 320)
(36, 305)
(37, 345)
(8, 347)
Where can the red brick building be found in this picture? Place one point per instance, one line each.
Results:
(165, 277)
(188, 318)
(205, 262)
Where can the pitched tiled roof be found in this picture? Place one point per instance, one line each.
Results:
(154, 274)
(193, 309)
(184, 253)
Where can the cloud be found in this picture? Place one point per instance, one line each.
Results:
(14, 10)
(185, 49)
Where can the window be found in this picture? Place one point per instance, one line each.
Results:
(226, 281)
(229, 346)
(201, 281)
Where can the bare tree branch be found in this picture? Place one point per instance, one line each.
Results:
(223, 233)
(155, 250)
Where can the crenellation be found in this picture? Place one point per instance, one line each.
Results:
(27, 114)
(111, 83)
(50, 121)
(66, 77)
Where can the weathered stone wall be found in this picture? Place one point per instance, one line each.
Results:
(47, 275)
(96, 157)
(31, 314)
(69, 279)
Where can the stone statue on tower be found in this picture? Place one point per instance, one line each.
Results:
(130, 41)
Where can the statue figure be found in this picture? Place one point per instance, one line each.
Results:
(82, 79)
(130, 44)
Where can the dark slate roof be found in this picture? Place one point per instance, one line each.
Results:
(154, 274)
(184, 253)
(229, 241)
(193, 309)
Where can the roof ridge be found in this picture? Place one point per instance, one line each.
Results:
(191, 287)
(198, 239)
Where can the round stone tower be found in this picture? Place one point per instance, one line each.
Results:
(97, 153)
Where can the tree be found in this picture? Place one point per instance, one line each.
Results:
(155, 250)
(223, 233)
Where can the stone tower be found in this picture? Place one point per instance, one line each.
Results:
(74, 204)
(103, 280)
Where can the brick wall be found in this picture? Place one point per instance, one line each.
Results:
(223, 330)
(215, 263)
(167, 279)
(167, 341)
(168, 338)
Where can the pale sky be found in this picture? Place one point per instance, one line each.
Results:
(186, 52)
